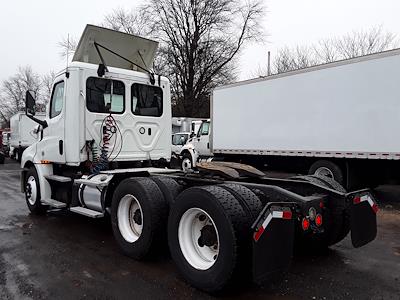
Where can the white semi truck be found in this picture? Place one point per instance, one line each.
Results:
(339, 120)
(23, 133)
(108, 124)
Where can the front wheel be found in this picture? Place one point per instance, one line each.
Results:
(187, 162)
(32, 192)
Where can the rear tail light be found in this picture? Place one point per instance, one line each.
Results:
(287, 215)
(318, 220)
(305, 224)
(356, 200)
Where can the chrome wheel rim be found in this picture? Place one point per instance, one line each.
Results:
(186, 164)
(130, 218)
(31, 190)
(200, 248)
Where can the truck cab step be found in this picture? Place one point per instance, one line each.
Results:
(58, 178)
(86, 212)
(53, 203)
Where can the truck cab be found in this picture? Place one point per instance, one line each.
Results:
(197, 147)
(104, 111)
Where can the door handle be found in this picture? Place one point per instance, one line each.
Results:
(61, 147)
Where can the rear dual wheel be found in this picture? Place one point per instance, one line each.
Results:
(209, 235)
(139, 216)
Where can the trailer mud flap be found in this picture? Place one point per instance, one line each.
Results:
(272, 244)
(363, 220)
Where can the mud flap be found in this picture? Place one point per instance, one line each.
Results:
(363, 220)
(272, 244)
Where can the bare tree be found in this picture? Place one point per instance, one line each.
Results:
(357, 43)
(199, 43)
(364, 42)
(128, 22)
(13, 90)
(293, 59)
(67, 46)
(46, 86)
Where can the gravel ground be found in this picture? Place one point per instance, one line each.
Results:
(67, 256)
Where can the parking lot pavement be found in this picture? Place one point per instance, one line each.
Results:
(66, 256)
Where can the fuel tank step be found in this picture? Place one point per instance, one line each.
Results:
(58, 178)
(86, 212)
(53, 203)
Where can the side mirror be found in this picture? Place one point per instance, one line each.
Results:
(30, 109)
(30, 104)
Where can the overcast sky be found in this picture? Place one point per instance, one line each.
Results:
(30, 30)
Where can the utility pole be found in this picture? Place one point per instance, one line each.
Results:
(269, 64)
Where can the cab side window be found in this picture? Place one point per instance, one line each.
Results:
(57, 98)
(204, 129)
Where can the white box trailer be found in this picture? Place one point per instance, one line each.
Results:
(22, 133)
(333, 119)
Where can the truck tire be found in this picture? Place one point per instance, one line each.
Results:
(1, 158)
(186, 162)
(247, 199)
(32, 193)
(169, 187)
(327, 168)
(331, 183)
(138, 217)
(217, 258)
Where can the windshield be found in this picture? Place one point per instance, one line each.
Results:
(180, 139)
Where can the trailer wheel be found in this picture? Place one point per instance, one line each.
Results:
(169, 187)
(328, 169)
(138, 216)
(32, 192)
(207, 231)
(1, 158)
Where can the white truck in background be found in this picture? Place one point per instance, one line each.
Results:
(23, 133)
(339, 120)
(186, 124)
(108, 123)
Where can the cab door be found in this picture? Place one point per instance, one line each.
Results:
(202, 141)
(52, 147)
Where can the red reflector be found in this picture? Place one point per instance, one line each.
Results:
(287, 215)
(305, 224)
(375, 208)
(258, 233)
(356, 200)
(321, 204)
(318, 220)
